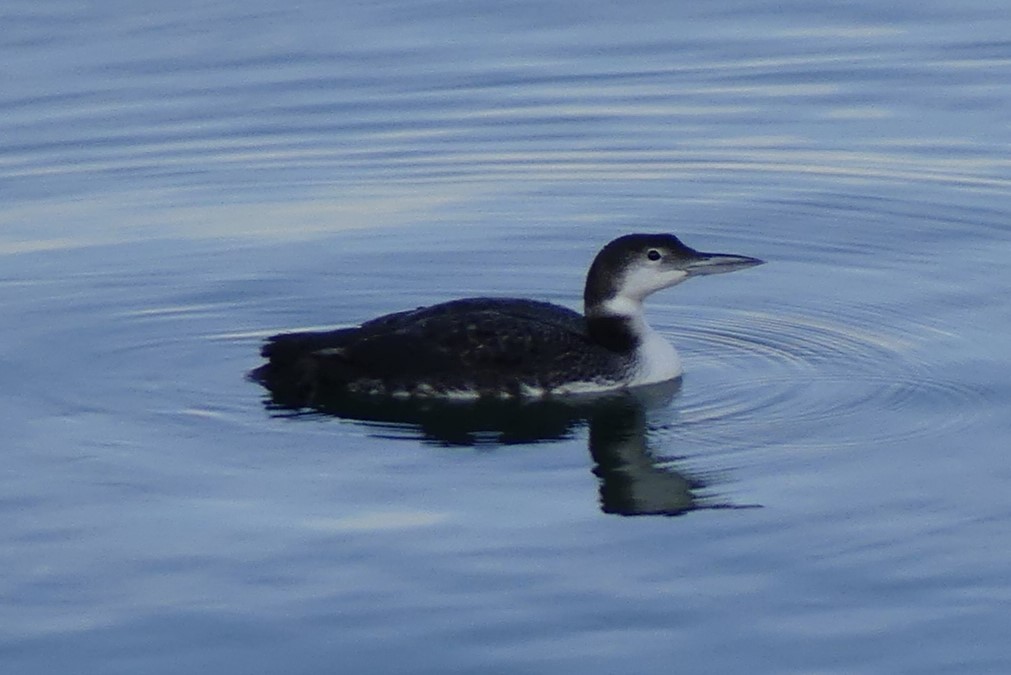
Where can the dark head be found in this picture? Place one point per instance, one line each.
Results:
(631, 267)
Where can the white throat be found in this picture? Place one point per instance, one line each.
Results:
(641, 281)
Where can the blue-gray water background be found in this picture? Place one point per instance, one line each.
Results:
(179, 180)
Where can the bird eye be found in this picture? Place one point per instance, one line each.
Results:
(653, 254)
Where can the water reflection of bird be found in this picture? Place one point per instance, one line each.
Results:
(504, 347)
(631, 480)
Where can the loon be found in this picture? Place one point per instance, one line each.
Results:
(504, 347)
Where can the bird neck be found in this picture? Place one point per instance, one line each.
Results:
(617, 324)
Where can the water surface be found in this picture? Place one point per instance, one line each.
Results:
(181, 181)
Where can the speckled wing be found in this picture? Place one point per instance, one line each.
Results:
(482, 344)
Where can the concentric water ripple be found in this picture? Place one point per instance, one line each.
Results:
(807, 379)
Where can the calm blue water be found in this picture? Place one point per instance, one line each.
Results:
(180, 180)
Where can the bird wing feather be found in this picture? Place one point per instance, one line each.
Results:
(471, 343)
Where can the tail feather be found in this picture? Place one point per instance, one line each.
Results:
(292, 371)
(286, 348)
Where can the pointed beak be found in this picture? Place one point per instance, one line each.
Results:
(718, 263)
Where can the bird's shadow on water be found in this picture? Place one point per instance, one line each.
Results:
(632, 480)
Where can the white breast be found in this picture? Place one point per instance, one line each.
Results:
(656, 359)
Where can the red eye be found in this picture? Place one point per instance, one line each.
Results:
(653, 254)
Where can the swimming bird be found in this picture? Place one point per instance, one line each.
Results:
(504, 347)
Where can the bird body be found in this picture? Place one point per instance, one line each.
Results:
(505, 347)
